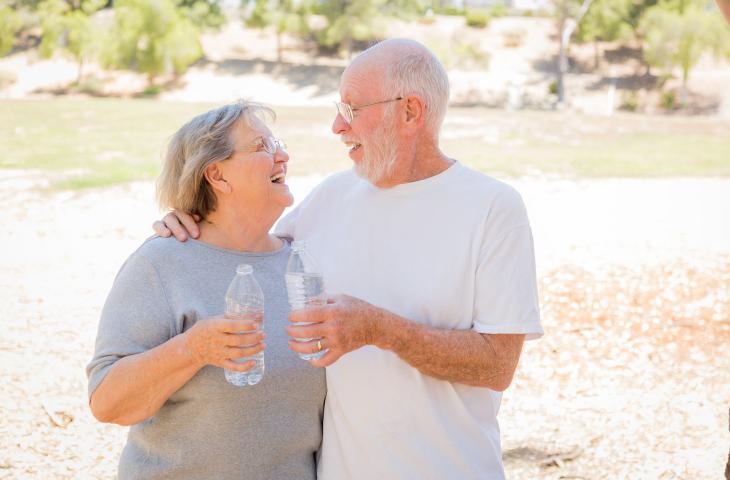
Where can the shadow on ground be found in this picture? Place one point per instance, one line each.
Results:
(325, 78)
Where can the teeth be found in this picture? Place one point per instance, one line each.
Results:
(278, 178)
(354, 146)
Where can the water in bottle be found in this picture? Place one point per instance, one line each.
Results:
(245, 300)
(305, 287)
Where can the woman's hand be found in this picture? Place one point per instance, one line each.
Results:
(179, 224)
(220, 340)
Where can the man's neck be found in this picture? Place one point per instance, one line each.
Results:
(421, 165)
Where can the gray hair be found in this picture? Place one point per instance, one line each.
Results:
(202, 141)
(423, 75)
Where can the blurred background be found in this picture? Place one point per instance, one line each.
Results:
(611, 117)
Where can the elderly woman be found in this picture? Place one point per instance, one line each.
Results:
(162, 337)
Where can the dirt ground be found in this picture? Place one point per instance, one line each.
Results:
(630, 380)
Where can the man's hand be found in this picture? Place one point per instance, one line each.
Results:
(179, 224)
(344, 324)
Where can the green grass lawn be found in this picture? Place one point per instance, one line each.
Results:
(89, 143)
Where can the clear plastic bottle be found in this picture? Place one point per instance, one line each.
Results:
(244, 299)
(305, 287)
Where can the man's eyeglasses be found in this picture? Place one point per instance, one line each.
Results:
(347, 111)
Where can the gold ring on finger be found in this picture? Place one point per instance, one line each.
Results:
(319, 345)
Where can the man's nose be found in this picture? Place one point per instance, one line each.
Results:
(339, 125)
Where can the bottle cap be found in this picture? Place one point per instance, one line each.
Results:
(244, 269)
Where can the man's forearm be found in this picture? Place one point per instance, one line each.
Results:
(461, 356)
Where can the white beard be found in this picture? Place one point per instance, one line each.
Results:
(381, 153)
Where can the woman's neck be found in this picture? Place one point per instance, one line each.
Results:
(236, 231)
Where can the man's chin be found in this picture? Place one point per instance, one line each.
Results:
(366, 174)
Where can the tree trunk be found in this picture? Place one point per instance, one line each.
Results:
(278, 46)
(566, 28)
(562, 62)
(684, 93)
(80, 71)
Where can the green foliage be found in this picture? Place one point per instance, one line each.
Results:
(629, 101)
(477, 19)
(10, 23)
(459, 51)
(668, 100)
(151, 91)
(360, 20)
(203, 13)
(449, 10)
(285, 15)
(607, 20)
(677, 34)
(153, 37)
(499, 10)
(69, 27)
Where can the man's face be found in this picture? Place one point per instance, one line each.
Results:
(372, 134)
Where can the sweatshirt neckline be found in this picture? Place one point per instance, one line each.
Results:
(285, 245)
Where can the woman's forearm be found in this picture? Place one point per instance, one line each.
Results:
(138, 385)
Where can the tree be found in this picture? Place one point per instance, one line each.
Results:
(360, 20)
(570, 13)
(284, 15)
(606, 21)
(203, 13)
(678, 33)
(69, 27)
(10, 24)
(153, 37)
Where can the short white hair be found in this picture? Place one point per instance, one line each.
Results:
(417, 73)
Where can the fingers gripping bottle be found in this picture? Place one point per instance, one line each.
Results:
(245, 300)
(305, 287)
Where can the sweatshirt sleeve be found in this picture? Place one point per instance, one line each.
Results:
(136, 317)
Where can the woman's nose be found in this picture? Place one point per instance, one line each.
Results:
(281, 155)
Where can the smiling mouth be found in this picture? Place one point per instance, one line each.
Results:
(278, 178)
(354, 146)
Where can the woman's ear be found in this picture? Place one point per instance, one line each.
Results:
(214, 175)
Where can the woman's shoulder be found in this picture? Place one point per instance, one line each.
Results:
(156, 250)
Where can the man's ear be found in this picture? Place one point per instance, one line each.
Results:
(415, 111)
(214, 175)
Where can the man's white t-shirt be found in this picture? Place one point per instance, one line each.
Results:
(453, 251)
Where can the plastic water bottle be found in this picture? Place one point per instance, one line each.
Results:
(305, 287)
(245, 300)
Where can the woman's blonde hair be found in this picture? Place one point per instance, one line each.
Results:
(202, 141)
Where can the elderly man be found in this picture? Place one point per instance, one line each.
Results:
(432, 269)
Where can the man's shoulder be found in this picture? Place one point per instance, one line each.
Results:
(331, 188)
(338, 180)
(475, 183)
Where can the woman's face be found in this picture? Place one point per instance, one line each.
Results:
(257, 178)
